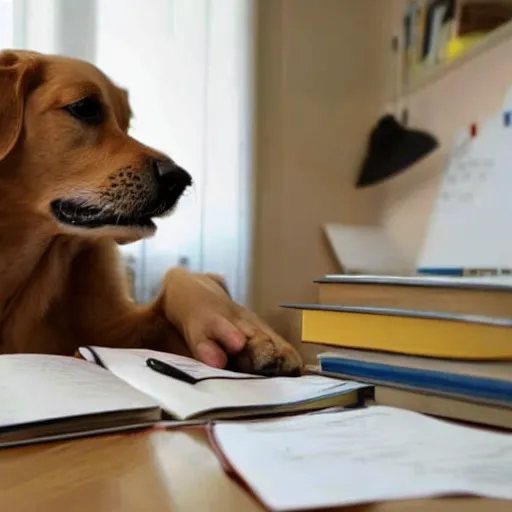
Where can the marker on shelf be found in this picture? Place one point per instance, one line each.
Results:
(441, 271)
(464, 272)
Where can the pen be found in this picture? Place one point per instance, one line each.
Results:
(169, 371)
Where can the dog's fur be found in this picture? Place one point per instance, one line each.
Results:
(61, 281)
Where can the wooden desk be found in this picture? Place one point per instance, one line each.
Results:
(149, 472)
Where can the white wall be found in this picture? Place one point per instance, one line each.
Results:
(56, 26)
(229, 185)
(6, 24)
(76, 26)
(36, 25)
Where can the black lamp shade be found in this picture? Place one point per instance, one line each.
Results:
(392, 148)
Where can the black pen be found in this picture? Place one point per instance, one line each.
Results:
(169, 371)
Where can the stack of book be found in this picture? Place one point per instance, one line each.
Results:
(441, 346)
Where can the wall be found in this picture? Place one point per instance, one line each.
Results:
(322, 84)
(468, 94)
(227, 202)
(320, 89)
(6, 24)
(76, 28)
(35, 26)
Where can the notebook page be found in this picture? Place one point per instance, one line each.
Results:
(192, 367)
(363, 456)
(184, 400)
(36, 387)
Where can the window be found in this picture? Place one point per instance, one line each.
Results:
(6, 24)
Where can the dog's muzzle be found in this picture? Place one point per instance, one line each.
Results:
(168, 182)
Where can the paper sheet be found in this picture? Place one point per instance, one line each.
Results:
(363, 456)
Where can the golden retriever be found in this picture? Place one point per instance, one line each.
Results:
(73, 185)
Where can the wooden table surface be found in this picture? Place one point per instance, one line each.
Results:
(150, 472)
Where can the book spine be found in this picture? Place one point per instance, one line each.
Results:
(477, 387)
(440, 271)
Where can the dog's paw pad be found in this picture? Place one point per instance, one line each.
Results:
(269, 356)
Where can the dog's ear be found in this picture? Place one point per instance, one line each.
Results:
(18, 71)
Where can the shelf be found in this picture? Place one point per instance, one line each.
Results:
(433, 74)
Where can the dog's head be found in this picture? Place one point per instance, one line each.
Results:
(64, 146)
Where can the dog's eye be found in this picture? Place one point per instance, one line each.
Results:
(88, 110)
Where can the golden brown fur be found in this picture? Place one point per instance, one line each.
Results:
(61, 284)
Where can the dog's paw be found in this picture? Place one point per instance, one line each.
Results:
(216, 328)
(268, 354)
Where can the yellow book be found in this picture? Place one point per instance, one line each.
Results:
(421, 333)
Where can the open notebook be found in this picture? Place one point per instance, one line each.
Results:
(45, 397)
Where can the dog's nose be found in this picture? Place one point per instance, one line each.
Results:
(170, 175)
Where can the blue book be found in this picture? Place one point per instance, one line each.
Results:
(489, 382)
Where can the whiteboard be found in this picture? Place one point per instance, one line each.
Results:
(470, 225)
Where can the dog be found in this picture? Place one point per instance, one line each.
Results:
(73, 186)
